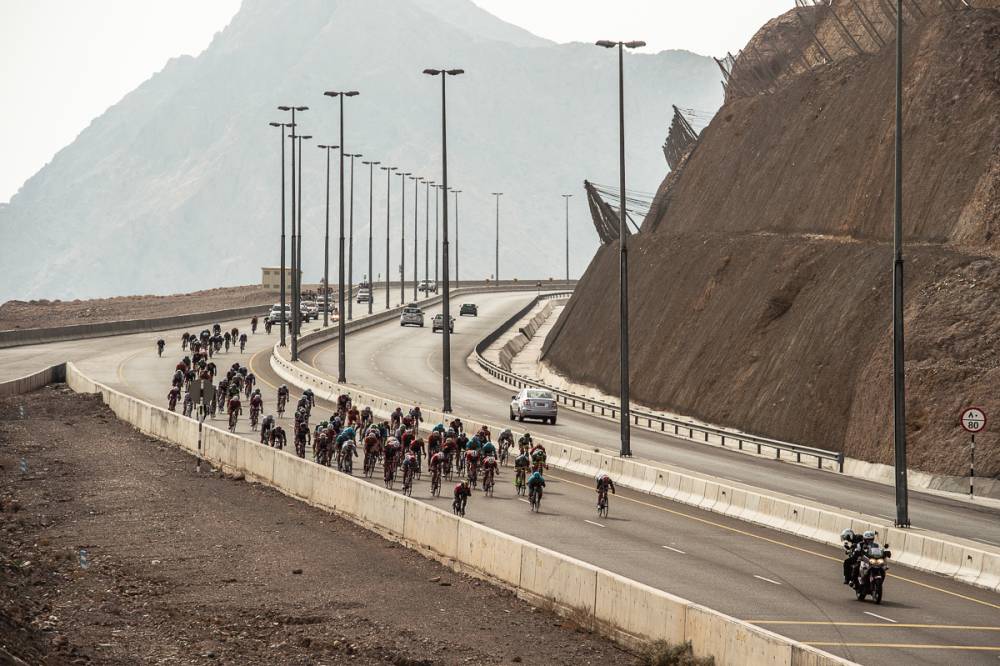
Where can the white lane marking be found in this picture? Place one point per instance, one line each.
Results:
(881, 617)
(523, 500)
(767, 579)
(674, 549)
(593, 523)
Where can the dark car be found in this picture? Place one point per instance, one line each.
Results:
(469, 309)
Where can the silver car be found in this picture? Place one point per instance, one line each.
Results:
(412, 316)
(533, 403)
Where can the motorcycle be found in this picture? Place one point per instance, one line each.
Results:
(870, 572)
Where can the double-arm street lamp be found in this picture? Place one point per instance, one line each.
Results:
(281, 128)
(566, 197)
(445, 301)
(388, 187)
(295, 344)
(626, 412)
(496, 276)
(341, 332)
(371, 199)
(326, 241)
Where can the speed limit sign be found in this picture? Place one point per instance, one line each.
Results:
(973, 419)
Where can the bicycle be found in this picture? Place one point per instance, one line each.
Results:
(281, 405)
(436, 483)
(473, 474)
(300, 446)
(388, 473)
(519, 480)
(370, 460)
(504, 452)
(407, 480)
(488, 482)
(254, 418)
(188, 408)
(233, 416)
(348, 464)
(458, 505)
(446, 471)
(602, 503)
(535, 499)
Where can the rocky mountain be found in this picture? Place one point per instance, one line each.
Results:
(176, 187)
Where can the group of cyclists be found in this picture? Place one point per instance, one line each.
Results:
(470, 458)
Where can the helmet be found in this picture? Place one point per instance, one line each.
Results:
(284, 386)
(847, 535)
(308, 392)
(323, 424)
(868, 535)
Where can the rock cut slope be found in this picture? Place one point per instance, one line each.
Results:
(761, 280)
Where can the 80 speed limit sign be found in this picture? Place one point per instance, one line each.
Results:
(973, 419)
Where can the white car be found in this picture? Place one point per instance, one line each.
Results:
(274, 316)
(364, 295)
(310, 310)
(534, 403)
(428, 286)
(412, 316)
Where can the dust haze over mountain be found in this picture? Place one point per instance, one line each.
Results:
(148, 195)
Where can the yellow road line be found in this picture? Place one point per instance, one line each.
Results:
(906, 646)
(121, 367)
(880, 625)
(735, 530)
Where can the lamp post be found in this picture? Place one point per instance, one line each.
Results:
(456, 192)
(371, 225)
(626, 412)
(295, 342)
(326, 242)
(416, 193)
(402, 235)
(341, 332)
(427, 231)
(350, 244)
(898, 359)
(496, 275)
(437, 234)
(388, 187)
(281, 128)
(445, 304)
(298, 250)
(567, 197)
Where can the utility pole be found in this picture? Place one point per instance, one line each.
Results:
(567, 197)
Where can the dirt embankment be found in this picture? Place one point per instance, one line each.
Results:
(115, 551)
(44, 313)
(761, 289)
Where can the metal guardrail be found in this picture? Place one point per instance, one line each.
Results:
(641, 419)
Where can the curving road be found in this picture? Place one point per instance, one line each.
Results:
(783, 583)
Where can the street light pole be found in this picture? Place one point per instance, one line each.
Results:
(350, 245)
(427, 230)
(341, 324)
(281, 128)
(457, 192)
(371, 208)
(402, 235)
(388, 188)
(898, 359)
(326, 242)
(437, 234)
(626, 412)
(292, 126)
(416, 263)
(298, 254)
(496, 275)
(445, 301)
(566, 197)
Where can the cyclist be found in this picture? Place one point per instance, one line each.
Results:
(410, 466)
(604, 483)
(506, 440)
(462, 493)
(235, 409)
(308, 393)
(436, 466)
(304, 405)
(184, 341)
(226, 338)
(160, 344)
(278, 438)
(535, 482)
(282, 398)
(250, 381)
(243, 342)
(343, 404)
(256, 406)
(456, 425)
(321, 449)
(267, 326)
(348, 452)
(235, 333)
(178, 379)
(188, 407)
(538, 457)
(521, 465)
(417, 448)
(173, 396)
(265, 429)
(253, 325)
(524, 442)
(353, 416)
(490, 467)
(396, 418)
(472, 464)
(433, 442)
(488, 449)
(391, 454)
(302, 437)
(416, 415)
(366, 417)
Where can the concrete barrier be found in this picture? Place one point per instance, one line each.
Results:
(34, 381)
(593, 596)
(34, 336)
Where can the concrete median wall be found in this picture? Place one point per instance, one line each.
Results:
(964, 560)
(514, 346)
(596, 598)
(34, 336)
(34, 381)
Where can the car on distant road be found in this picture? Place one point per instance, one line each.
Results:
(274, 315)
(438, 323)
(468, 309)
(364, 295)
(534, 403)
(412, 316)
(428, 286)
(310, 310)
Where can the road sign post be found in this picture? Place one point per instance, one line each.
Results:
(973, 421)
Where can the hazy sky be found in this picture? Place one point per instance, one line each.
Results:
(64, 62)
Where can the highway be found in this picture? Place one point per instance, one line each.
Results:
(783, 583)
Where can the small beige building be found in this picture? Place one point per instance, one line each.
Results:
(270, 277)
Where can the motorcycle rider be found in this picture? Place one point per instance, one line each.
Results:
(852, 546)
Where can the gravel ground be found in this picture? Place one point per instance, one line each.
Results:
(41, 313)
(114, 550)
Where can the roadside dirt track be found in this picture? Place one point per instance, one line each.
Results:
(188, 568)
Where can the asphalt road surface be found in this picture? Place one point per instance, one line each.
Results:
(789, 585)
